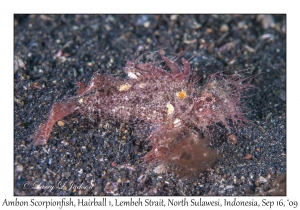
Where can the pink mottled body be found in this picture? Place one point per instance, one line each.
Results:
(171, 101)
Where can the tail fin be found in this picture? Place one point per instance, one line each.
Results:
(58, 111)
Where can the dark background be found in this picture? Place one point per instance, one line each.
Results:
(52, 52)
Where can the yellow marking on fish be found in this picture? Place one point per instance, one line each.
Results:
(181, 94)
(170, 108)
(124, 87)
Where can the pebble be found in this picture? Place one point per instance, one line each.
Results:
(19, 168)
(18, 63)
(249, 156)
(224, 28)
(64, 142)
(209, 30)
(267, 36)
(147, 24)
(173, 17)
(196, 25)
(241, 24)
(250, 49)
(60, 123)
(232, 138)
(266, 21)
(260, 180)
